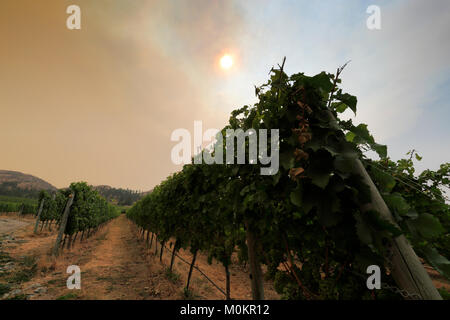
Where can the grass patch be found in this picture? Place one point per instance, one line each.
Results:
(28, 261)
(4, 257)
(18, 297)
(4, 288)
(444, 293)
(60, 283)
(18, 200)
(189, 294)
(102, 237)
(24, 275)
(172, 276)
(27, 272)
(107, 278)
(68, 296)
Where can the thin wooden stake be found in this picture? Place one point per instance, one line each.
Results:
(69, 243)
(407, 270)
(151, 241)
(162, 250)
(255, 266)
(190, 270)
(175, 247)
(38, 216)
(64, 241)
(62, 228)
(228, 287)
(75, 239)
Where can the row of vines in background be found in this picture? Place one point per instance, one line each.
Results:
(17, 204)
(304, 223)
(24, 208)
(88, 211)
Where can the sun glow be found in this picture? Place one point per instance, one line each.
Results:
(226, 62)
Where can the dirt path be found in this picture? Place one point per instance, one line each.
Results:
(115, 264)
(8, 225)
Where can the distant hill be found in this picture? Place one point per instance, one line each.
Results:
(122, 197)
(18, 184)
(146, 193)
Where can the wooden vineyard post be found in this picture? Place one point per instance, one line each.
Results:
(64, 241)
(255, 266)
(151, 241)
(228, 287)
(38, 216)
(407, 270)
(162, 250)
(69, 242)
(173, 254)
(75, 239)
(21, 209)
(63, 225)
(190, 270)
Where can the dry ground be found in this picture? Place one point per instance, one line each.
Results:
(10, 224)
(115, 265)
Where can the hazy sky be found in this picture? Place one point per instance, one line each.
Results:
(99, 104)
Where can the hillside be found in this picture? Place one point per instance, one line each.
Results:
(13, 183)
(119, 196)
(18, 184)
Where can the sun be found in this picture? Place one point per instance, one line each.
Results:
(226, 62)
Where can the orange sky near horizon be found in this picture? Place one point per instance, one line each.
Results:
(99, 104)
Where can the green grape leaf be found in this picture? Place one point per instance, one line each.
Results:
(341, 107)
(380, 149)
(376, 220)
(362, 133)
(384, 180)
(428, 226)
(350, 136)
(439, 262)
(396, 202)
(349, 100)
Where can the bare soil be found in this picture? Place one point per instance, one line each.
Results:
(115, 264)
(10, 224)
